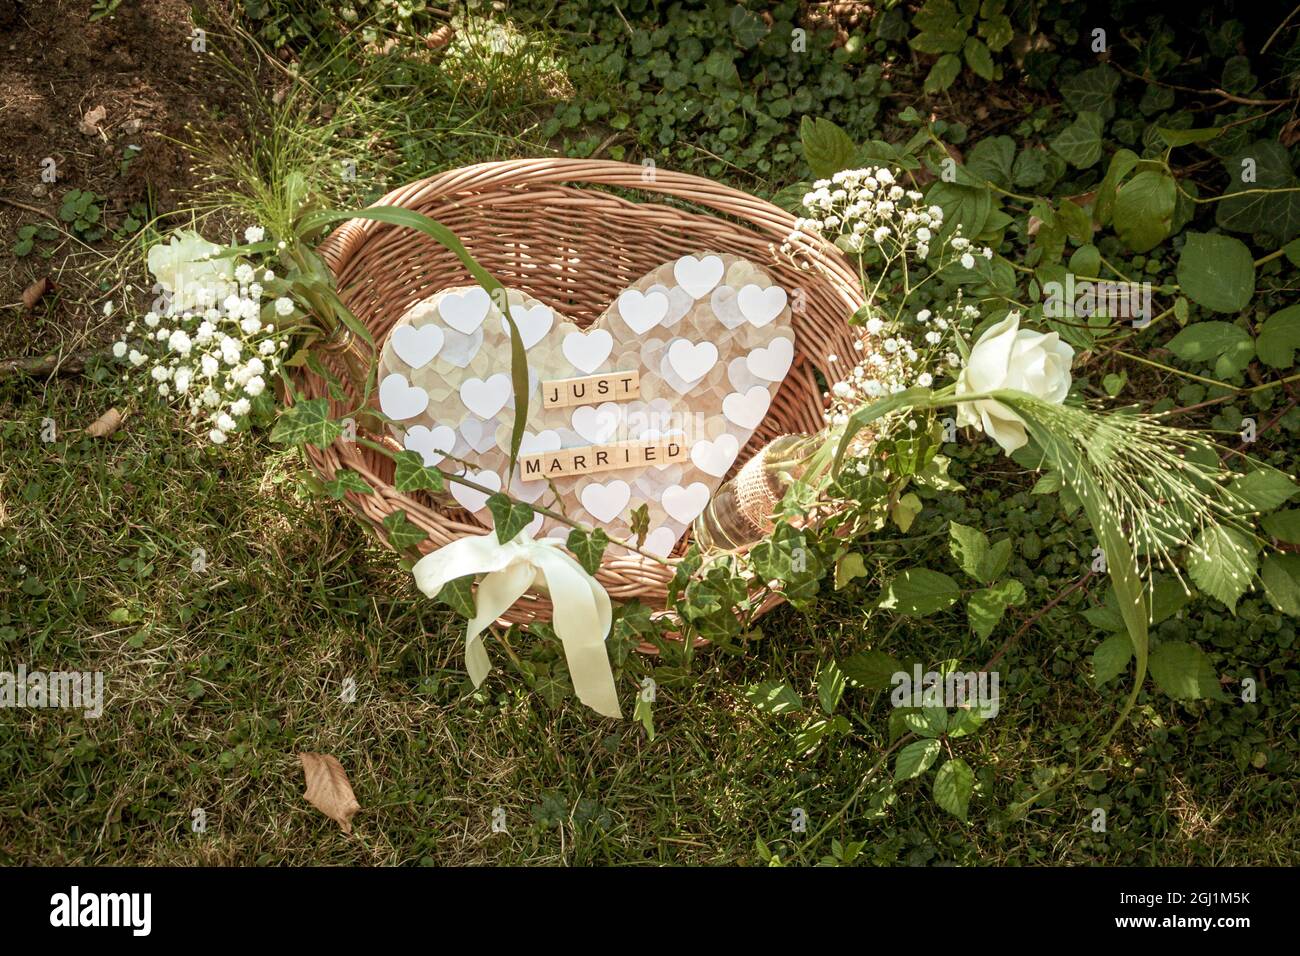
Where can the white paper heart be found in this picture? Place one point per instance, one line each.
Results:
(772, 363)
(399, 400)
(481, 436)
(605, 502)
(683, 504)
(680, 303)
(692, 360)
(587, 351)
(486, 397)
(715, 457)
(660, 541)
(597, 424)
(747, 409)
(548, 440)
(739, 375)
(642, 311)
(466, 311)
(471, 499)
(417, 347)
(760, 306)
(698, 276)
(459, 349)
(726, 308)
(433, 444)
(533, 324)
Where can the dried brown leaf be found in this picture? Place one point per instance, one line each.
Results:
(36, 291)
(105, 424)
(328, 789)
(90, 122)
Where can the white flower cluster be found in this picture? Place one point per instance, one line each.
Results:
(895, 356)
(867, 207)
(214, 345)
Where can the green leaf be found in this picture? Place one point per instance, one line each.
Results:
(1284, 525)
(1144, 210)
(969, 548)
(952, 787)
(1121, 164)
(773, 697)
(917, 592)
(942, 74)
(1275, 213)
(1217, 272)
(345, 480)
(1092, 90)
(1111, 657)
(643, 712)
(826, 148)
(1228, 346)
(1079, 144)
(978, 57)
(403, 533)
(830, 687)
(848, 568)
(926, 721)
(1221, 563)
(1281, 576)
(992, 160)
(410, 473)
(1264, 488)
(986, 607)
(1184, 137)
(871, 670)
(588, 548)
(1183, 672)
(915, 759)
(508, 517)
(1279, 337)
(307, 422)
(458, 594)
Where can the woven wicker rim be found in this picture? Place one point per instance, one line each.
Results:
(575, 249)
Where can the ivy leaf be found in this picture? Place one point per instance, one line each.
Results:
(826, 148)
(307, 422)
(1217, 272)
(410, 473)
(588, 548)
(918, 592)
(969, 548)
(1144, 210)
(849, 567)
(1092, 90)
(992, 160)
(871, 670)
(1185, 137)
(1111, 657)
(952, 787)
(346, 480)
(458, 594)
(1221, 563)
(1183, 672)
(1079, 144)
(773, 697)
(403, 533)
(915, 759)
(1279, 337)
(1275, 213)
(509, 517)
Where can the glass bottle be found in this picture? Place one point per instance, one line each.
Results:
(740, 511)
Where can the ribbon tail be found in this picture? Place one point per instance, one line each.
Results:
(496, 592)
(582, 620)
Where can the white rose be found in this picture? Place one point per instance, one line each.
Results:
(1008, 357)
(180, 265)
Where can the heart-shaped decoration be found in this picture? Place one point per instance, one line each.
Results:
(433, 444)
(707, 365)
(417, 347)
(465, 311)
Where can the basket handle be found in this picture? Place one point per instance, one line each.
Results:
(607, 172)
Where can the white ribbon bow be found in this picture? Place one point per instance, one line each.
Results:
(583, 612)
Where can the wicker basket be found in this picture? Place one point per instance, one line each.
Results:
(574, 249)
